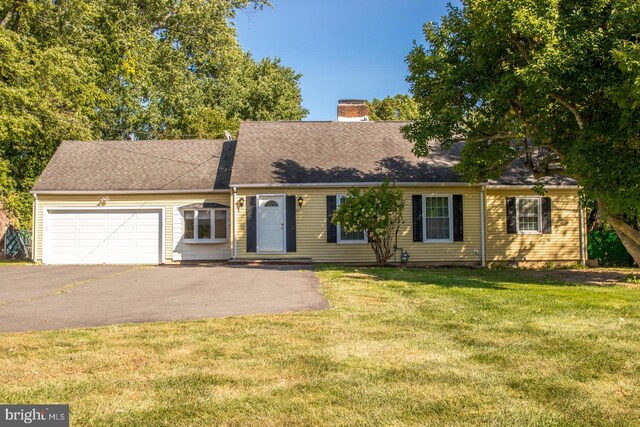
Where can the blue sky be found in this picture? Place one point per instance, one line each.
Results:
(344, 49)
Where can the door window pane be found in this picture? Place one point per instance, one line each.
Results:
(204, 224)
(220, 224)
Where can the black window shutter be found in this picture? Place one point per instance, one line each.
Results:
(511, 215)
(416, 200)
(251, 224)
(458, 231)
(332, 230)
(291, 223)
(546, 215)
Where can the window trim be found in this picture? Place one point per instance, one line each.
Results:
(339, 229)
(424, 218)
(212, 216)
(539, 230)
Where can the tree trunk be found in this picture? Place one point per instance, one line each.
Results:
(632, 248)
(629, 236)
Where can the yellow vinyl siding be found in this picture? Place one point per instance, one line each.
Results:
(168, 201)
(563, 244)
(311, 226)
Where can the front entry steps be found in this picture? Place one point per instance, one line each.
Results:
(271, 261)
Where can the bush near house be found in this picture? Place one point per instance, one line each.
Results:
(606, 247)
(378, 210)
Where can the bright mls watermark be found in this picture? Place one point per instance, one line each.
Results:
(34, 415)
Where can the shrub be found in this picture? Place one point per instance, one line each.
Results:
(606, 247)
(378, 210)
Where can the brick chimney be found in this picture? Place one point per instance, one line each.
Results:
(353, 110)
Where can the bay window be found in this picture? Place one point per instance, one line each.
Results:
(205, 225)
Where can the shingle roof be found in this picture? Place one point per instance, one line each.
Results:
(139, 165)
(320, 152)
(266, 153)
(335, 152)
(519, 174)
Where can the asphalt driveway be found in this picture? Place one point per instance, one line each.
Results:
(57, 297)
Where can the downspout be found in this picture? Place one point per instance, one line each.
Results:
(34, 229)
(582, 246)
(483, 249)
(235, 221)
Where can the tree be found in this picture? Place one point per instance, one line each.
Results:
(378, 210)
(555, 83)
(112, 69)
(399, 107)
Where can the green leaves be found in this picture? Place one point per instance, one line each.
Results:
(517, 78)
(378, 210)
(108, 69)
(399, 107)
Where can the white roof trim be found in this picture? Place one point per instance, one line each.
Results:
(529, 187)
(89, 192)
(356, 184)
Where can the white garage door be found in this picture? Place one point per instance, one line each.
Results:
(102, 237)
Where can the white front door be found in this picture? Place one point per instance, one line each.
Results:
(271, 224)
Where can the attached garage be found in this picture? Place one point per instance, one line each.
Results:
(102, 236)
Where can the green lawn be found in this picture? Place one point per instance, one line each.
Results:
(6, 262)
(437, 346)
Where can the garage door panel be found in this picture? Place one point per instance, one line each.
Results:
(91, 259)
(66, 226)
(121, 244)
(121, 221)
(89, 243)
(62, 237)
(66, 250)
(117, 230)
(115, 258)
(108, 237)
(145, 229)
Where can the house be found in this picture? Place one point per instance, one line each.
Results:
(269, 195)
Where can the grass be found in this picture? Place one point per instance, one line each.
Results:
(398, 347)
(6, 262)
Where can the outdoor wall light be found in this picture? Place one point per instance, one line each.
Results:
(300, 202)
(240, 203)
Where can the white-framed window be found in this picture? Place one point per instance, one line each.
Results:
(438, 218)
(529, 215)
(206, 225)
(354, 236)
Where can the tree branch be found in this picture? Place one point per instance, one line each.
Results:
(6, 18)
(494, 137)
(12, 10)
(520, 47)
(564, 102)
(618, 223)
(163, 21)
(571, 108)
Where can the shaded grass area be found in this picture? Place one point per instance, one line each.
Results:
(434, 346)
